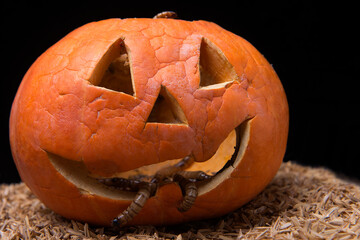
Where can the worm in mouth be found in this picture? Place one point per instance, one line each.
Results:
(146, 187)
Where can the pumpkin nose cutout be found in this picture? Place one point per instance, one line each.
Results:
(166, 109)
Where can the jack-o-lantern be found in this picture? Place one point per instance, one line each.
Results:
(148, 121)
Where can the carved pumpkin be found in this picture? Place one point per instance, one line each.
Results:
(128, 97)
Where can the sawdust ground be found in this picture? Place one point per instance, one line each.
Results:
(300, 203)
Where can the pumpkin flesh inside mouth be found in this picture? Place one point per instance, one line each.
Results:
(219, 167)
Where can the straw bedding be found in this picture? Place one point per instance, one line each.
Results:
(300, 203)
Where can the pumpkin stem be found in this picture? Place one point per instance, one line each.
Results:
(166, 14)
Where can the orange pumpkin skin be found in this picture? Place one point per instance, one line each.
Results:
(57, 110)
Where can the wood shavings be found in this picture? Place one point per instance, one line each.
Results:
(300, 203)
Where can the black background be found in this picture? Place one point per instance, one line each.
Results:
(312, 47)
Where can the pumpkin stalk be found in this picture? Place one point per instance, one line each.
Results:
(166, 14)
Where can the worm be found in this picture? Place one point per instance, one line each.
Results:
(122, 183)
(171, 170)
(145, 191)
(189, 192)
(194, 175)
(186, 181)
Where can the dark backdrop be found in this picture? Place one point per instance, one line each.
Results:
(311, 46)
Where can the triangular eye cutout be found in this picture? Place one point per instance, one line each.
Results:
(166, 109)
(117, 77)
(215, 69)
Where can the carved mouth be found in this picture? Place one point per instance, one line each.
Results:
(220, 167)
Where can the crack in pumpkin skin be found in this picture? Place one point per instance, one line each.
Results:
(75, 126)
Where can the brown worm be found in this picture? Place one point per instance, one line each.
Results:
(171, 170)
(122, 183)
(145, 191)
(194, 175)
(189, 192)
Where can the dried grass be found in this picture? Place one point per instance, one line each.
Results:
(300, 203)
